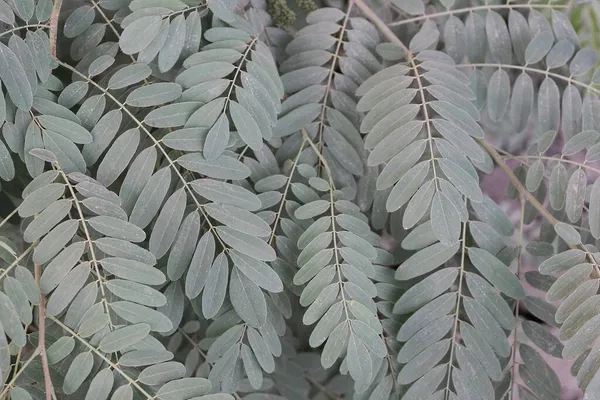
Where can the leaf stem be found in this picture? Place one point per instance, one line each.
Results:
(114, 366)
(48, 386)
(54, 26)
(10, 384)
(477, 8)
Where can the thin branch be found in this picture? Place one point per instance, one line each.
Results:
(478, 8)
(114, 366)
(48, 386)
(328, 393)
(18, 28)
(10, 384)
(54, 26)
(530, 197)
(285, 192)
(554, 75)
(519, 261)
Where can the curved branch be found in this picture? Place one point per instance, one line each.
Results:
(479, 8)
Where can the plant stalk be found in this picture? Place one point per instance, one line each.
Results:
(48, 387)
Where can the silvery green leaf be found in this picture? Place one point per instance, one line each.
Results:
(67, 154)
(15, 291)
(101, 385)
(458, 117)
(535, 174)
(100, 65)
(47, 219)
(560, 53)
(498, 38)
(79, 21)
(136, 292)
(425, 38)
(226, 193)
(482, 350)
(154, 94)
(118, 157)
(461, 179)
(483, 292)
(68, 289)
(521, 102)
(24, 9)
(445, 220)
(247, 299)
(406, 187)
(562, 27)
(167, 223)
(117, 228)
(133, 270)
(124, 392)
(217, 138)
(246, 126)
(162, 373)
(129, 75)
(400, 164)
(541, 309)
(216, 286)
(558, 186)
(575, 195)
(455, 38)
(425, 291)
(571, 112)
(6, 13)
(60, 266)
(125, 249)
(238, 219)
(151, 198)
(580, 141)
(78, 371)
(496, 272)
(60, 349)
(199, 266)
(184, 388)
(568, 282)
(498, 95)
(138, 314)
(72, 131)
(41, 198)
(568, 233)
(173, 46)
(139, 34)
(562, 261)
(172, 115)
(246, 244)
(542, 338)
(14, 79)
(423, 362)
(257, 271)
(425, 260)
(485, 323)
(122, 338)
(413, 7)
(418, 206)
(548, 106)
(539, 46)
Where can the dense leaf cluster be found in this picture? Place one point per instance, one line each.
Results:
(200, 205)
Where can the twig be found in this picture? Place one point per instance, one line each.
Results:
(48, 387)
(54, 26)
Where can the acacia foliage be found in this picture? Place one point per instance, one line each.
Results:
(201, 205)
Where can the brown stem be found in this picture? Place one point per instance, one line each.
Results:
(517, 184)
(54, 26)
(48, 387)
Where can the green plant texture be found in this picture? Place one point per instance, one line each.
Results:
(270, 200)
